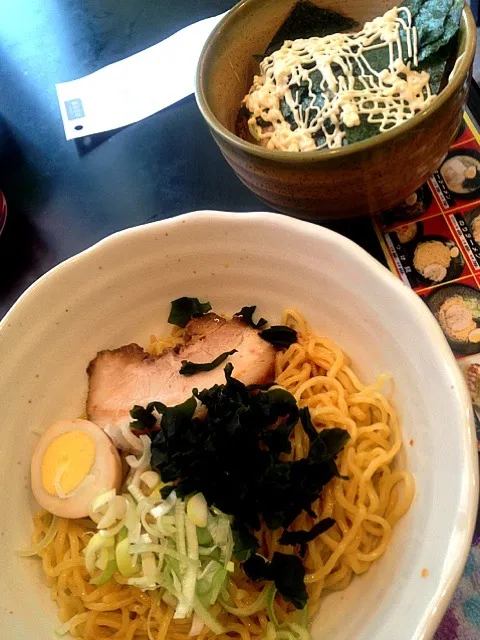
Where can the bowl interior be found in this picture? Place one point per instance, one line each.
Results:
(119, 291)
(227, 65)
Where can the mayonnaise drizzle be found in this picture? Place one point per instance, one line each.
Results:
(387, 97)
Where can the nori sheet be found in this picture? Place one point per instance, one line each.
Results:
(437, 22)
(306, 20)
(450, 30)
(430, 20)
(413, 5)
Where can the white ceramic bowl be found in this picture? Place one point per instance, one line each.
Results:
(119, 291)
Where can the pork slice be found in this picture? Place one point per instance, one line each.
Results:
(123, 377)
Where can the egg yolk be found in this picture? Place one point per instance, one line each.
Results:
(66, 461)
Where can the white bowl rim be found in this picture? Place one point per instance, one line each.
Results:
(464, 531)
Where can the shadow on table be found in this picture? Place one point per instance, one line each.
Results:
(20, 243)
(89, 143)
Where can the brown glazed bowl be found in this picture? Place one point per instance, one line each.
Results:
(363, 178)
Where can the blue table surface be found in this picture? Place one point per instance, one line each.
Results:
(62, 200)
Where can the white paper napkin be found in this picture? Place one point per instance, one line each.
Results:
(136, 87)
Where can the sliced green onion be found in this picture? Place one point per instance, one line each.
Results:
(207, 551)
(181, 557)
(197, 510)
(269, 604)
(207, 618)
(101, 501)
(146, 547)
(126, 564)
(180, 541)
(258, 605)
(271, 632)
(102, 558)
(204, 582)
(93, 548)
(135, 492)
(122, 534)
(152, 529)
(170, 588)
(147, 581)
(151, 479)
(164, 507)
(204, 537)
(108, 570)
(113, 530)
(185, 607)
(115, 511)
(48, 538)
(169, 554)
(217, 584)
(141, 464)
(301, 632)
(170, 600)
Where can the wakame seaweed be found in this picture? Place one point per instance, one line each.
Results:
(279, 335)
(286, 571)
(191, 368)
(184, 309)
(234, 455)
(301, 538)
(246, 313)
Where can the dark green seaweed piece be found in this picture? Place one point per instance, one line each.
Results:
(303, 537)
(244, 428)
(430, 20)
(361, 132)
(234, 455)
(279, 335)
(143, 418)
(286, 571)
(307, 20)
(471, 184)
(246, 313)
(244, 542)
(438, 66)
(191, 368)
(184, 309)
(413, 5)
(450, 30)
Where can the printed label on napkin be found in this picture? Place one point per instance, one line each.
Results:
(136, 87)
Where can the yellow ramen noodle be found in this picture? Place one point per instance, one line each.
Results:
(365, 508)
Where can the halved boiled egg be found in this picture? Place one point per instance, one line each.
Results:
(474, 336)
(471, 172)
(73, 462)
(411, 200)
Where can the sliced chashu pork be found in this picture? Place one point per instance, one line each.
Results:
(124, 377)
